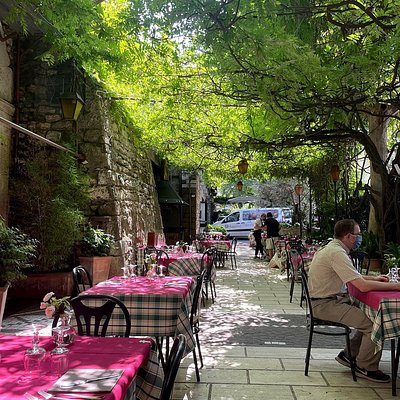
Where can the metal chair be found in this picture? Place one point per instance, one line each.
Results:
(357, 258)
(160, 255)
(231, 254)
(208, 264)
(82, 279)
(296, 265)
(94, 320)
(195, 321)
(337, 329)
(171, 370)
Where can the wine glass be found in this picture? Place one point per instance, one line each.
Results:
(132, 270)
(162, 268)
(33, 357)
(125, 271)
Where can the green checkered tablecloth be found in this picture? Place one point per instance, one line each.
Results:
(386, 320)
(189, 266)
(160, 313)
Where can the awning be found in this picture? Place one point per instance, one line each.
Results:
(167, 194)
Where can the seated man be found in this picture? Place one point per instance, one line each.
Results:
(330, 269)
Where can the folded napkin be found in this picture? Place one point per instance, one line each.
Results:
(176, 283)
(109, 283)
(74, 375)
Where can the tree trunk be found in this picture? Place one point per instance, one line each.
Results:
(378, 134)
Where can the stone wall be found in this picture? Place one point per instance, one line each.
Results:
(6, 112)
(122, 188)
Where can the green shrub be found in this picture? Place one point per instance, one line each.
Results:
(96, 242)
(16, 251)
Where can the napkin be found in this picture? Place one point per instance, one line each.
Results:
(72, 375)
(176, 283)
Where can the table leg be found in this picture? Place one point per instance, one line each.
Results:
(395, 354)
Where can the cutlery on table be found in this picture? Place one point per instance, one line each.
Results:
(71, 396)
(67, 385)
(30, 397)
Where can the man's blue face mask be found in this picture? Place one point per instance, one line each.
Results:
(358, 242)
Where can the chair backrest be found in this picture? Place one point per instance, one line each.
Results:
(357, 258)
(233, 244)
(171, 370)
(207, 260)
(160, 254)
(93, 320)
(296, 261)
(194, 312)
(306, 294)
(82, 279)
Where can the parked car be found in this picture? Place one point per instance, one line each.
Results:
(239, 223)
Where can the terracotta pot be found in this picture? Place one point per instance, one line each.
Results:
(3, 299)
(375, 264)
(98, 267)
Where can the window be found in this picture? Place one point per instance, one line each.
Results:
(233, 217)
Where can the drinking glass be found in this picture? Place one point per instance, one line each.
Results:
(394, 275)
(162, 269)
(59, 363)
(33, 357)
(59, 332)
(125, 271)
(132, 270)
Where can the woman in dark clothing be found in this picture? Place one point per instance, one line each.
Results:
(257, 235)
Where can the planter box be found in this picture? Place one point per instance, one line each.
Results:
(375, 264)
(3, 299)
(98, 267)
(290, 231)
(35, 286)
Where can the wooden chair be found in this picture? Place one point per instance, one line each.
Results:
(82, 279)
(313, 325)
(94, 320)
(172, 367)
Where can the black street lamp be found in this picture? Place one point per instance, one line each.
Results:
(298, 189)
(335, 175)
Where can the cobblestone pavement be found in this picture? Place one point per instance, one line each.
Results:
(253, 308)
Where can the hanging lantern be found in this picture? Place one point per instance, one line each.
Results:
(239, 186)
(298, 189)
(335, 173)
(243, 166)
(71, 105)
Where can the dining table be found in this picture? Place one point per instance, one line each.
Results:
(189, 264)
(158, 306)
(383, 309)
(136, 358)
(217, 244)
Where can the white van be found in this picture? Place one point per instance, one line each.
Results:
(239, 223)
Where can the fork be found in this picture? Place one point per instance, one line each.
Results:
(30, 397)
(47, 395)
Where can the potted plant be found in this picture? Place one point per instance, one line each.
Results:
(16, 250)
(392, 256)
(95, 249)
(370, 245)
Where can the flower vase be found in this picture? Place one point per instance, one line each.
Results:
(64, 319)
